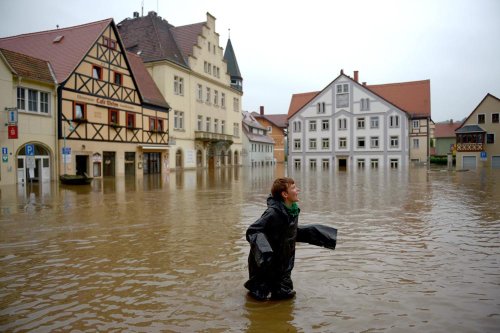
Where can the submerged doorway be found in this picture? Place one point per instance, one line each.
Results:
(109, 164)
(342, 163)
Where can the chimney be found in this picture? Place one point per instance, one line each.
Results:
(136, 14)
(261, 110)
(451, 121)
(341, 72)
(151, 13)
(364, 83)
(356, 76)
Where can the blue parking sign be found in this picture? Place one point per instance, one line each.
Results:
(5, 151)
(30, 150)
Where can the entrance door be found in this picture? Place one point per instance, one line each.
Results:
(342, 164)
(109, 164)
(129, 163)
(45, 169)
(82, 164)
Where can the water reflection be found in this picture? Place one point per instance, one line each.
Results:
(418, 250)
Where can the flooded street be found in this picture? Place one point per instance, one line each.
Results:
(418, 250)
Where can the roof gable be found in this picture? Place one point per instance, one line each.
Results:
(488, 96)
(62, 48)
(187, 36)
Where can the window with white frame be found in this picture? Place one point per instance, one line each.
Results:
(373, 122)
(325, 125)
(416, 143)
(312, 125)
(342, 123)
(394, 141)
(361, 123)
(342, 143)
(361, 163)
(208, 124)
(38, 101)
(494, 118)
(374, 142)
(325, 143)
(325, 163)
(222, 126)
(207, 100)
(365, 104)
(200, 123)
(312, 144)
(236, 104)
(342, 95)
(416, 124)
(320, 107)
(481, 118)
(296, 163)
(223, 100)
(296, 144)
(374, 163)
(360, 142)
(216, 125)
(178, 120)
(297, 126)
(236, 130)
(269, 129)
(199, 92)
(178, 85)
(312, 163)
(394, 121)
(216, 97)
(394, 163)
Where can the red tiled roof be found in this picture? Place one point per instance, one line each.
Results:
(412, 97)
(298, 101)
(186, 36)
(65, 55)
(446, 130)
(28, 67)
(147, 87)
(277, 119)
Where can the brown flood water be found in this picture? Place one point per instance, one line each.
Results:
(418, 251)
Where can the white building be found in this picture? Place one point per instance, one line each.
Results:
(258, 147)
(346, 125)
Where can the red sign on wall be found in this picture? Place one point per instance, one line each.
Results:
(12, 131)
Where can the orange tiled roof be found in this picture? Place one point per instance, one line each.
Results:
(298, 101)
(446, 130)
(28, 67)
(147, 87)
(65, 55)
(413, 97)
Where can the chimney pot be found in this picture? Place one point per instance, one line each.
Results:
(261, 110)
(364, 83)
(341, 72)
(356, 76)
(136, 14)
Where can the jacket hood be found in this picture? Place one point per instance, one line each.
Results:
(276, 204)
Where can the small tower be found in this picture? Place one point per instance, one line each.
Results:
(232, 67)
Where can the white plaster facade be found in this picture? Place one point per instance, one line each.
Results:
(346, 125)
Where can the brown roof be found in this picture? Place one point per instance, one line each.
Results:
(412, 97)
(152, 38)
(446, 130)
(28, 67)
(186, 36)
(278, 120)
(298, 101)
(65, 55)
(147, 87)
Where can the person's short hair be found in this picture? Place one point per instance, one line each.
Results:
(281, 185)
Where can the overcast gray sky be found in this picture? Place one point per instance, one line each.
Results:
(293, 46)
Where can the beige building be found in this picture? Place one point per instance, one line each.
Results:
(27, 101)
(478, 144)
(201, 83)
(106, 113)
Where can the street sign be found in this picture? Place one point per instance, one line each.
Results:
(12, 115)
(12, 131)
(5, 158)
(30, 162)
(483, 156)
(66, 150)
(30, 149)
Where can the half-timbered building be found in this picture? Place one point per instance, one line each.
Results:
(111, 118)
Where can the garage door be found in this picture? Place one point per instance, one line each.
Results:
(469, 162)
(495, 162)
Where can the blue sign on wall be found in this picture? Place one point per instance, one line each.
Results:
(483, 156)
(30, 150)
(5, 151)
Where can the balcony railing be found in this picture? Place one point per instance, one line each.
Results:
(212, 137)
(470, 146)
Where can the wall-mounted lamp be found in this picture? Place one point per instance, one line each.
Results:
(83, 147)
